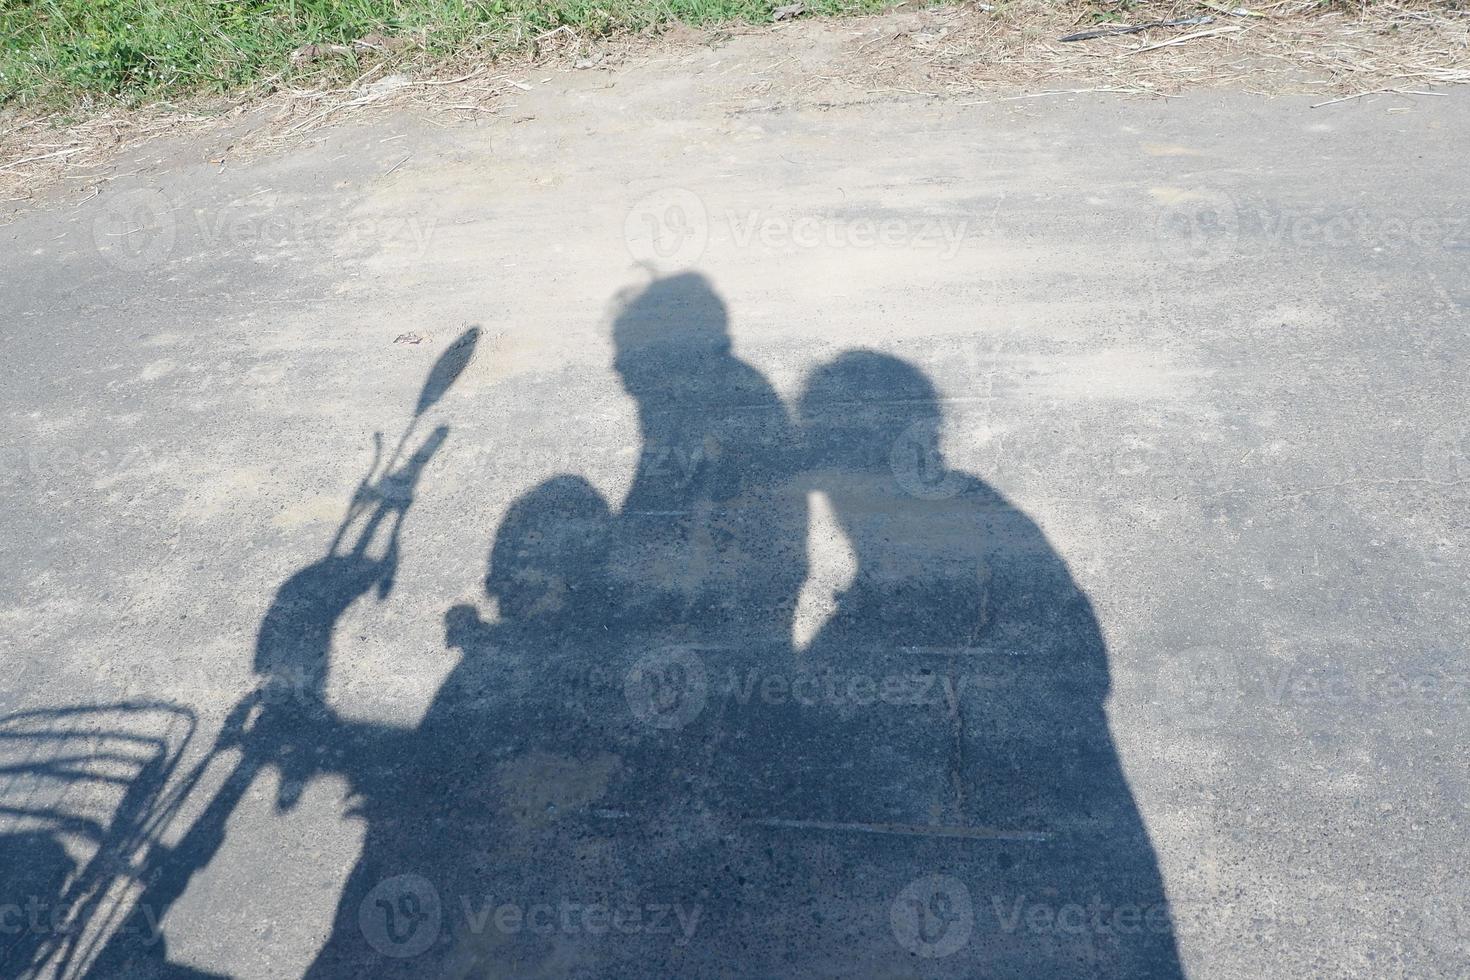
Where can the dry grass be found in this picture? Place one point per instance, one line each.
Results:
(1289, 46)
(1009, 51)
(38, 152)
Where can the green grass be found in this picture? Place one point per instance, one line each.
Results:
(61, 52)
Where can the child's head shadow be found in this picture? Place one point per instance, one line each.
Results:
(548, 563)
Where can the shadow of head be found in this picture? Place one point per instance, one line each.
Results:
(670, 325)
(862, 407)
(549, 559)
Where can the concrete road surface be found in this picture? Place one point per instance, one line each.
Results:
(646, 535)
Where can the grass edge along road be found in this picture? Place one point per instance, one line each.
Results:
(59, 54)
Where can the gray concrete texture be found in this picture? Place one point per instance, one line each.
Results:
(652, 538)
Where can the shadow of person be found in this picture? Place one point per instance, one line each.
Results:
(510, 744)
(709, 537)
(538, 779)
(935, 767)
(991, 759)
